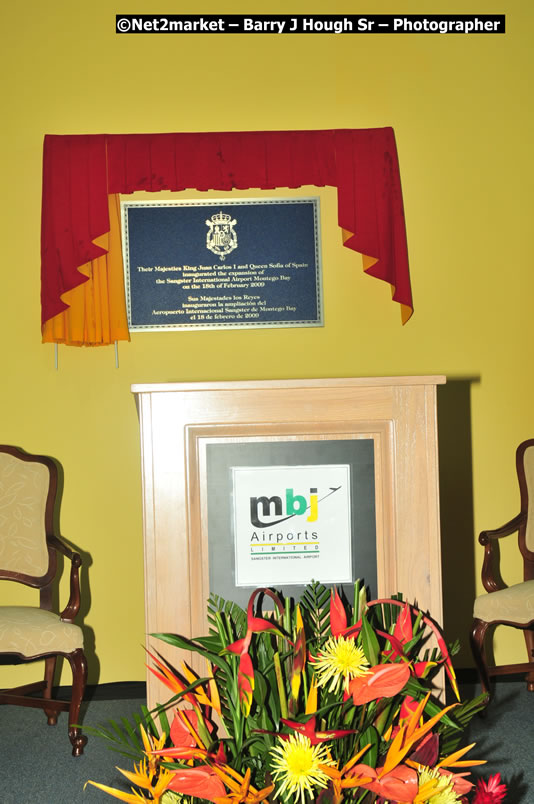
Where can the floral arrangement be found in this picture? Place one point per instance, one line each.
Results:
(316, 701)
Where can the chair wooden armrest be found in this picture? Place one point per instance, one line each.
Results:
(73, 606)
(61, 547)
(490, 579)
(508, 605)
(30, 551)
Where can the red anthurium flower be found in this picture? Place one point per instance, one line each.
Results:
(400, 784)
(461, 785)
(381, 681)
(402, 634)
(182, 736)
(439, 639)
(200, 782)
(490, 792)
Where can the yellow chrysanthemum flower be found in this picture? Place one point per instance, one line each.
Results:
(340, 660)
(440, 787)
(296, 763)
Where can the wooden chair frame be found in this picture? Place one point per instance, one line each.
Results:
(77, 660)
(492, 582)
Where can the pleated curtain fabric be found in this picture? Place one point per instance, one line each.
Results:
(82, 287)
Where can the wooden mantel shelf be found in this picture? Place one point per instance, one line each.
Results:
(348, 382)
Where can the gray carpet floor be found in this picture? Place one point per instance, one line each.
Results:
(505, 737)
(36, 766)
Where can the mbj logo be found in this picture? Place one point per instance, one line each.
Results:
(295, 505)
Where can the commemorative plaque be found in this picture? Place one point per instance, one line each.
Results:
(222, 263)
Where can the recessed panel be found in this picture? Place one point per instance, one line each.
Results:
(283, 513)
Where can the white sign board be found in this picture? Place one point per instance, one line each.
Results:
(292, 524)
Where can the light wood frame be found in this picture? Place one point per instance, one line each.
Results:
(178, 420)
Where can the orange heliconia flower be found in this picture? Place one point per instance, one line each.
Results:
(380, 681)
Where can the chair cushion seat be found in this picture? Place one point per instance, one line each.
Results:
(515, 604)
(31, 631)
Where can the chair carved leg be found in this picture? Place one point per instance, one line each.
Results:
(529, 639)
(78, 664)
(50, 668)
(478, 633)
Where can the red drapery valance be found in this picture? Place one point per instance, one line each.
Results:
(80, 171)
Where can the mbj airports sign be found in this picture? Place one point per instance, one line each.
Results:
(292, 524)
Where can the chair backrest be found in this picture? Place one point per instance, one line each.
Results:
(525, 473)
(528, 462)
(28, 486)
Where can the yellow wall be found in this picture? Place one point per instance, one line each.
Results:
(462, 113)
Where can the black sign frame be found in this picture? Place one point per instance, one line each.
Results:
(222, 263)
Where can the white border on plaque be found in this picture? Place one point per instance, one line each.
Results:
(292, 524)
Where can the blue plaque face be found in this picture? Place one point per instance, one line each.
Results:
(224, 264)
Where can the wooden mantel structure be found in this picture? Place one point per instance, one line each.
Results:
(178, 421)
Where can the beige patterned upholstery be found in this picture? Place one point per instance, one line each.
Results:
(515, 604)
(31, 631)
(23, 493)
(29, 546)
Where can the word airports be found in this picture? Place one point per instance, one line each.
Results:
(302, 24)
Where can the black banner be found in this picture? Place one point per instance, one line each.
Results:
(311, 24)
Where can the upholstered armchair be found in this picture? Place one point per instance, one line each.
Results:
(509, 605)
(28, 555)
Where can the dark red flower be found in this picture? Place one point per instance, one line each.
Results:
(491, 792)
